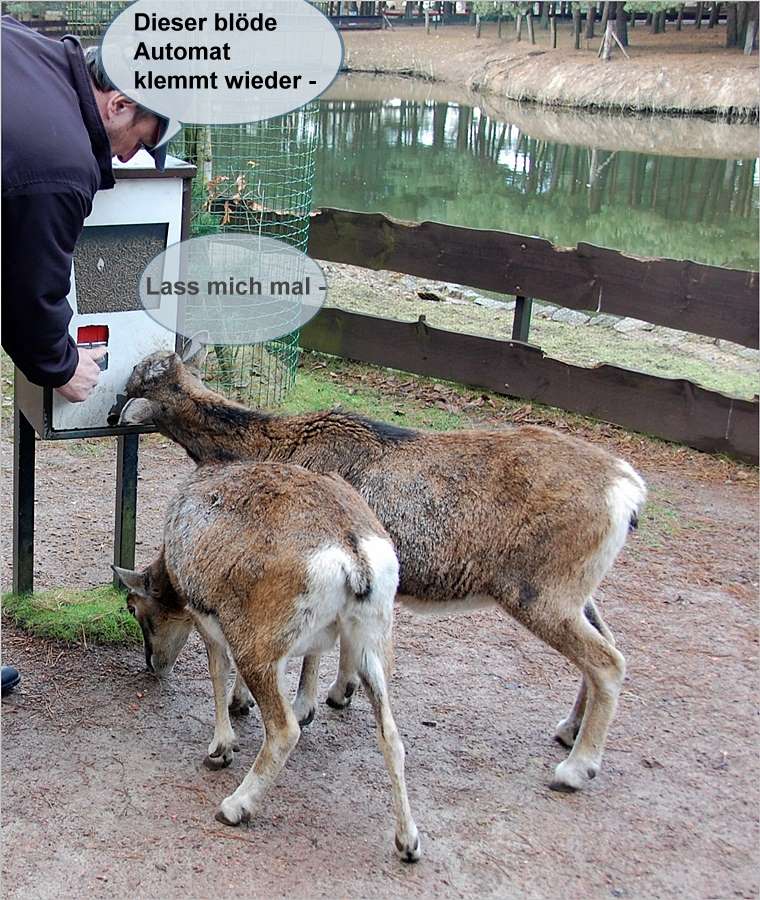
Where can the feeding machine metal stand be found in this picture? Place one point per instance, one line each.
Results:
(146, 211)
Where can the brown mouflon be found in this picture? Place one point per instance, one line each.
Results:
(271, 561)
(526, 519)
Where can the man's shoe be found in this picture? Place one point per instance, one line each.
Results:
(11, 678)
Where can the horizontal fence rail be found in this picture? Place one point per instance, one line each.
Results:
(691, 297)
(671, 408)
(708, 300)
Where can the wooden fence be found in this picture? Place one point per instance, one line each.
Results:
(708, 300)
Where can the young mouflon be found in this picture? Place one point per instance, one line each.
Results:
(270, 561)
(526, 519)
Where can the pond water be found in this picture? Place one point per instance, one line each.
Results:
(679, 188)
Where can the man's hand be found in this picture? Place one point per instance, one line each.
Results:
(84, 379)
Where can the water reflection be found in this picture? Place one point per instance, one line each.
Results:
(453, 163)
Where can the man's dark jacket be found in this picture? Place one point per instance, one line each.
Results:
(55, 156)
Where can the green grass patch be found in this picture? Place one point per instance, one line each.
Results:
(662, 352)
(95, 616)
(591, 345)
(315, 389)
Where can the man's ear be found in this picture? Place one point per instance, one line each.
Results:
(112, 105)
(138, 411)
(134, 582)
(119, 103)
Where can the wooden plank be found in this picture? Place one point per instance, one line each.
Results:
(670, 408)
(707, 300)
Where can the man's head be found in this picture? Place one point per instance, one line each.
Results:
(129, 126)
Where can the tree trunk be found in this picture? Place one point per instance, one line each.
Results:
(543, 11)
(531, 32)
(518, 26)
(714, 13)
(742, 10)
(590, 16)
(477, 25)
(751, 28)
(605, 16)
(731, 34)
(499, 19)
(577, 25)
(679, 19)
(608, 42)
(655, 28)
(663, 19)
(553, 31)
(698, 19)
(649, 18)
(621, 23)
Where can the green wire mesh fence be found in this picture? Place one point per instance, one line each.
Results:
(87, 19)
(255, 178)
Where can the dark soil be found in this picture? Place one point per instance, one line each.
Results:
(104, 794)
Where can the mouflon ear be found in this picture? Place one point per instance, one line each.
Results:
(195, 352)
(134, 582)
(137, 411)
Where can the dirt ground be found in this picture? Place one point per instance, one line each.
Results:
(689, 71)
(104, 794)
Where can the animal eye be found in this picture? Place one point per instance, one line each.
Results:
(131, 609)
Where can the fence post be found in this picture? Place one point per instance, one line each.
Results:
(521, 322)
(23, 503)
(126, 503)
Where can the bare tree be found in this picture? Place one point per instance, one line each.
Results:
(590, 16)
(553, 26)
(577, 25)
(605, 15)
(750, 28)
(621, 23)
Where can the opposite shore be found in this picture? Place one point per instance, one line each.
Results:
(685, 73)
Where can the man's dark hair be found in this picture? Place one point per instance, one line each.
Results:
(102, 82)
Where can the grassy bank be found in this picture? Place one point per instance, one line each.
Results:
(685, 72)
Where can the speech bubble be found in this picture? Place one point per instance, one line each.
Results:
(232, 288)
(221, 63)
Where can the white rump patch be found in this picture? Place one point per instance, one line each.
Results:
(334, 577)
(383, 565)
(327, 571)
(625, 498)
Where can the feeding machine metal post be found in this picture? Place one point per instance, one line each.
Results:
(146, 211)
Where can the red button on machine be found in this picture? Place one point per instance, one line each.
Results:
(92, 334)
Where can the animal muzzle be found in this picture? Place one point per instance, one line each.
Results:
(114, 413)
